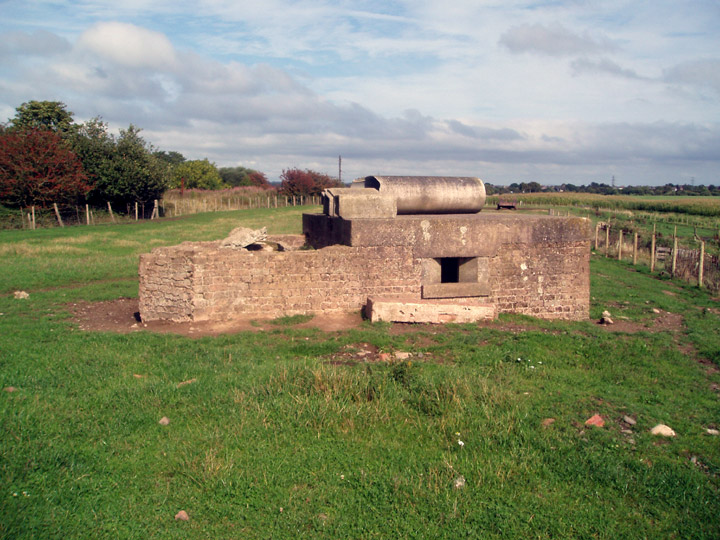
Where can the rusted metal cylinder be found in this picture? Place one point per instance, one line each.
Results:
(430, 194)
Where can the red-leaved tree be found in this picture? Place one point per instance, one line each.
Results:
(37, 168)
(307, 182)
(259, 179)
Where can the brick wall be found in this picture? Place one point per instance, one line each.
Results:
(203, 282)
(537, 266)
(547, 280)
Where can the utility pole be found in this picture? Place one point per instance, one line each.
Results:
(340, 169)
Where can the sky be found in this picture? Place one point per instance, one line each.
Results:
(551, 91)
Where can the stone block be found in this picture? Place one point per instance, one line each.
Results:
(410, 310)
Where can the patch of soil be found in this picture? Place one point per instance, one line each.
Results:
(122, 316)
(358, 353)
(355, 354)
(664, 322)
(710, 367)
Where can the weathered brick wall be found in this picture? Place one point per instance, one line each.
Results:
(215, 283)
(543, 274)
(547, 280)
(166, 282)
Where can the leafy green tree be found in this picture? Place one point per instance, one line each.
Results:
(242, 176)
(131, 173)
(50, 115)
(198, 174)
(171, 158)
(95, 147)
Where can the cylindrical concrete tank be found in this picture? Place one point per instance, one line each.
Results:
(431, 194)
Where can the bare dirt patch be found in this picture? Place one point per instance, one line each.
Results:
(122, 316)
(664, 322)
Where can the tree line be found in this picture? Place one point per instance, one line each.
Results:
(605, 189)
(46, 157)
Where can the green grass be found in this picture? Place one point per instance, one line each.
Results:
(275, 439)
(47, 258)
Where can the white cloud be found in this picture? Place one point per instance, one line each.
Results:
(701, 73)
(35, 43)
(604, 65)
(553, 40)
(128, 45)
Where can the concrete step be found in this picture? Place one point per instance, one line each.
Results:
(404, 309)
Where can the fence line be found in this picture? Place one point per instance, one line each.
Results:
(682, 262)
(178, 206)
(59, 216)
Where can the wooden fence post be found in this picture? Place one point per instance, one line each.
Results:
(136, 211)
(32, 208)
(635, 249)
(87, 214)
(620, 246)
(597, 229)
(607, 240)
(652, 251)
(674, 256)
(112, 216)
(701, 268)
(57, 214)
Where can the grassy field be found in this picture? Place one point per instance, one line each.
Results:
(293, 433)
(699, 206)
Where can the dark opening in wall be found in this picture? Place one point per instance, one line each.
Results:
(449, 270)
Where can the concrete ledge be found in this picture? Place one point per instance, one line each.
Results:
(455, 290)
(428, 311)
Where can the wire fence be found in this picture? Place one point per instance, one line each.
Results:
(194, 202)
(37, 217)
(665, 255)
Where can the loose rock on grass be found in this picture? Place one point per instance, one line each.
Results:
(663, 431)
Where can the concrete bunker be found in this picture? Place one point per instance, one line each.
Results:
(408, 249)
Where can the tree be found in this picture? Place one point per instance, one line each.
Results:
(131, 173)
(259, 179)
(38, 168)
(171, 158)
(95, 147)
(530, 187)
(242, 176)
(198, 174)
(296, 182)
(50, 115)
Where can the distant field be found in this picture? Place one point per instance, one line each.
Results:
(700, 206)
(300, 433)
